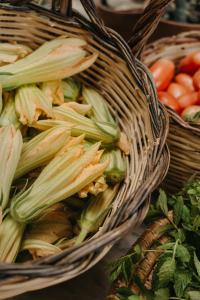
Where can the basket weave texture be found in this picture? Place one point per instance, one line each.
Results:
(130, 93)
(183, 138)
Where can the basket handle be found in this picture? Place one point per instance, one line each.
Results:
(65, 9)
(89, 6)
(147, 24)
(65, 6)
(90, 9)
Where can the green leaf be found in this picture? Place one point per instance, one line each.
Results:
(146, 292)
(166, 228)
(178, 235)
(122, 267)
(192, 118)
(165, 272)
(178, 210)
(183, 254)
(197, 264)
(137, 250)
(124, 292)
(188, 227)
(116, 270)
(186, 214)
(196, 223)
(162, 294)
(182, 279)
(127, 294)
(171, 200)
(134, 297)
(194, 285)
(125, 265)
(160, 261)
(153, 214)
(127, 269)
(162, 202)
(167, 246)
(136, 254)
(194, 295)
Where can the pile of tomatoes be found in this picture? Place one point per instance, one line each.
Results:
(179, 90)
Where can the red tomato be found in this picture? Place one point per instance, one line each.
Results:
(191, 114)
(196, 80)
(188, 100)
(169, 100)
(163, 73)
(185, 80)
(177, 90)
(191, 63)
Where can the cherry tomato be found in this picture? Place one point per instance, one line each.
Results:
(185, 80)
(177, 90)
(191, 63)
(188, 99)
(169, 100)
(196, 80)
(163, 73)
(191, 114)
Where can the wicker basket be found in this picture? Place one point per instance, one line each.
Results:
(184, 138)
(130, 93)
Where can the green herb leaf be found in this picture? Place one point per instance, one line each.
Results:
(166, 228)
(178, 235)
(116, 270)
(136, 254)
(124, 267)
(192, 118)
(127, 269)
(160, 261)
(188, 227)
(196, 223)
(134, 297)
(153, 214)
(162, 294)
(124, 292)
(197, 264)
(162, 203)
(193, 295)
(178, 210)
(127, 294)
(194, 285)
(182, 279)
(186, 214)
(146, 292)
(171, 200)
(167, 246)
(164, 272)
(183, 254)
